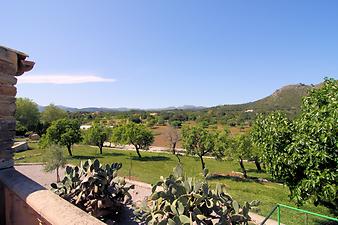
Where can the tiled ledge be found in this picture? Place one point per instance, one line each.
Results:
(27, 202)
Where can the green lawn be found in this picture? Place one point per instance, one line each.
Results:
(154, 165)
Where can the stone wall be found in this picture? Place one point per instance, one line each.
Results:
(12, 63)
(22, 201)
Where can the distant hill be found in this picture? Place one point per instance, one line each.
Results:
(122, 109)
(287, 99)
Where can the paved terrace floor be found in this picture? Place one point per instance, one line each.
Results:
(141, 191)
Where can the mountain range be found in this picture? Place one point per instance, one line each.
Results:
(286, 98)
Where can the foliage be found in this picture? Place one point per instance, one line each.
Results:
(54, 160)
(181, 200)
(241, 148)
(64, 132)
(176, 123)
(133, 134)
(136, 120)
(97, 135)
(52, 113)
(27, 114)
(20, 130)
(303, 153)
(95, 188)
(199, 141)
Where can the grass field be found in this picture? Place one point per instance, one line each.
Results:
(153, 165)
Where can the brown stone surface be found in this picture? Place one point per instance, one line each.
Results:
(8, 111)
(8, 90)
(8, 61)
(7, 79)
(7, 100)
(12, 63)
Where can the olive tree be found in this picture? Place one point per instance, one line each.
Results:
(64, 132)
(97, 135)
(54, 160)
(133, 134)
(303, 153)
(199, 141)
(241, 148)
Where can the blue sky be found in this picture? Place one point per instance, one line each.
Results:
(169, 53)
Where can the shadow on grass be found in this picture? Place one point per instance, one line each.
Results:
(86, 157)
(150, 158)
(112, 154)
(255, 171)
(233, 178)
(319, 222)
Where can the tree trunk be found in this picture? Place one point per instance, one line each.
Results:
(258, 165)
(173, 148)
(177, 156)
(69, 148)
(203, 164)
(138, 152)
(100, 147)
(57, 175)
(242, 167)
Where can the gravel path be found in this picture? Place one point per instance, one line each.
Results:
(141, 191)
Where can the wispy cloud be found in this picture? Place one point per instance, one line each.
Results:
(62, 79)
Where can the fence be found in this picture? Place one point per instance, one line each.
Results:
(304, 217)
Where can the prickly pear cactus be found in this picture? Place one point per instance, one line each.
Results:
(181, 200)
(95, 188)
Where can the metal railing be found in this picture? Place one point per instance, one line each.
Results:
(279, 206)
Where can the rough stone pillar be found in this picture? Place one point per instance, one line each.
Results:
(12, 63)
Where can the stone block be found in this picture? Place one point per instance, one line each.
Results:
(6, 144)
(8, 61)
(6, 68)
(8, 90)
(8, 110)
(6, 135)
(7, 124)
(6, 154)
(6, 163)
(20, 146)
(7, 79)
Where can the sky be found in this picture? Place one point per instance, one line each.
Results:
(157, 53)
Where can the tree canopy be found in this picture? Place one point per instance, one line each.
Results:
(199, 141)
(304, 153)
(240, 147)
(27, 114)
(52, 113)
(133, 134)
(64, 132)
(97, 135)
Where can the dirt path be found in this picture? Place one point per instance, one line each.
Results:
(141, 191)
